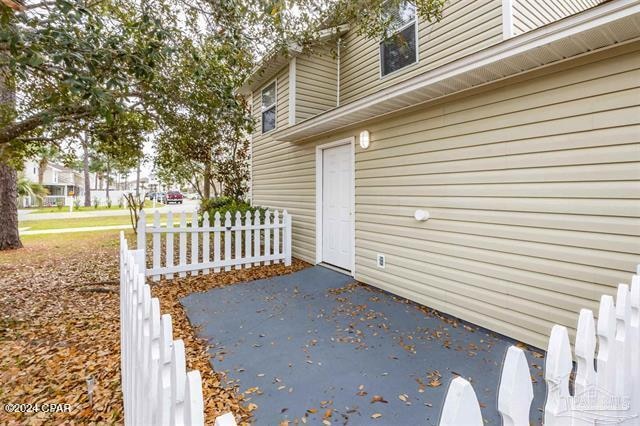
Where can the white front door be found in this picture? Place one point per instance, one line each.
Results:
(336, 206)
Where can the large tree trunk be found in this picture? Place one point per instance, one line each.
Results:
(9, 235)
(85, 167)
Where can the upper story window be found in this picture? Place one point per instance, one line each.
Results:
(269, 107)
(400, 48)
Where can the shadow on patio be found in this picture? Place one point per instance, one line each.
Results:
(315, 345)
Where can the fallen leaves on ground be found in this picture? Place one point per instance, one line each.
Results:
(59, 325)
(57, 331)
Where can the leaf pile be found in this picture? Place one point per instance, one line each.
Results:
(59, 325)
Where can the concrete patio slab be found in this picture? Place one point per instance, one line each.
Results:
(302, 344)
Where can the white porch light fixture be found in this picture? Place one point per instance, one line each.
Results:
(364, 139)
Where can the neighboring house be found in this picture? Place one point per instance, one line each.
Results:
(515, 124)
(64, 184)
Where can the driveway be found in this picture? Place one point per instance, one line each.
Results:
(316, 344)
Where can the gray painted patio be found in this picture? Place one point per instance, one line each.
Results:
(315, 340)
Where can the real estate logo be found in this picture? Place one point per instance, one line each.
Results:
(596, 404)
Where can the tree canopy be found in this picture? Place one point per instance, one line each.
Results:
(165, 69)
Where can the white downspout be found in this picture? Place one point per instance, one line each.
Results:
(338, 73)
(507, 19)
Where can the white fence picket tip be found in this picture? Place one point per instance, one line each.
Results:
(226, 419)
(516, 390)
(557, 370)
(461, 405)
(585, 349)
(623, 354)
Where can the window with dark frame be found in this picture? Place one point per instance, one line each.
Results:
(269, 107)
(400, 48)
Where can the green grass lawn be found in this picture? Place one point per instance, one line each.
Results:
(65, 209)
(35, 225)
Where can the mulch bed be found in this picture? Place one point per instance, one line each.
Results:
(59, 325)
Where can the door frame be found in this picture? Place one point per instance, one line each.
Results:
(319, 177)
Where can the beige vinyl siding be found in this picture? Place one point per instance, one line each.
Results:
(316, 83)
(532, 14)
(466, 27)
(532, 184)
(275, 166)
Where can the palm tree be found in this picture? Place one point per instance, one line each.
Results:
(26, 188)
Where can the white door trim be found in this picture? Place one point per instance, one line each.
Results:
(319, 171)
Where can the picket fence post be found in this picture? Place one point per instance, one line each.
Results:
(156, 244)
(216, 241)
(183, 242)
(256, 237)
(287, 238)
(276, 236)
(194, 243)
(247, 238)
(141, 230)
(169, 245)
(267, 236)
(238, 240)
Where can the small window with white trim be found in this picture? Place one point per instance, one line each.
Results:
(269, 107)
(400, 48)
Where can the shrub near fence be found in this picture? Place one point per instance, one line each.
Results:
(606, 394)
(156, 388)
(244, 241)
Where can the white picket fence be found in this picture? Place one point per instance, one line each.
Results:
(606, 388)
(242, 242)
(157, 390)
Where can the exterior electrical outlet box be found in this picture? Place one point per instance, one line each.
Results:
(381, 261)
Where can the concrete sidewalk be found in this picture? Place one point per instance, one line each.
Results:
(69, 230)
(188, 206)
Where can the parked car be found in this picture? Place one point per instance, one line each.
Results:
(160, 197)
(151, 195)
(174, 197)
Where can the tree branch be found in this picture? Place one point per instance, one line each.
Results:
(14, 130)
